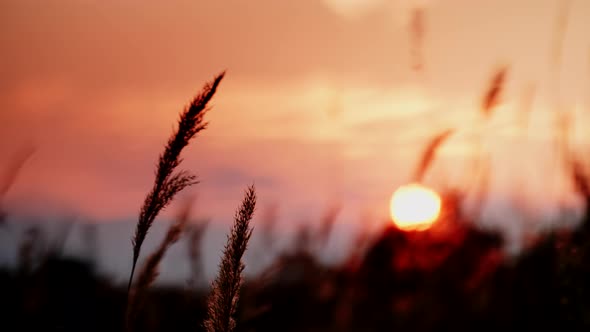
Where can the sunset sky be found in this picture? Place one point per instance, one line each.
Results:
(320, 104)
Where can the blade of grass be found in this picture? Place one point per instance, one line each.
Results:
(167, 181)
(223, 300)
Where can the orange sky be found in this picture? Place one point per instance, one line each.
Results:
(319, 104)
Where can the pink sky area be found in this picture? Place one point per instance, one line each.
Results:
(320, 104)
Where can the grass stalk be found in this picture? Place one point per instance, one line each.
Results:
(223, 300)
(169, 182)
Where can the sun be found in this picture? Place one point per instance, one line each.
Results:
(415, 207)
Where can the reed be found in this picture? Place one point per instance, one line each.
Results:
(9, 177)
(150, 269)
(223, 301)
(417, 32)
(494, 91)
(169, 182)
(195, 233)
(427, 157)
(327, 222)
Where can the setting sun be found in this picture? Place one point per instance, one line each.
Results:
(414, 207)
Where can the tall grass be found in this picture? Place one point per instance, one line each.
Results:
(11, 173)
(429, 154)
(169, 182)
(478, 176)
(195, 234)
(417, 32)
(493, 93)
(223, 300)
(150, 269)
(327, 221)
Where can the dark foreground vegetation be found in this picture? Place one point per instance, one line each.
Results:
(450, 277)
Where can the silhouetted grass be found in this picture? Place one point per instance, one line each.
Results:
(195, 254)
(169, 182)
(225, 294)
(429, 154)
(11, 173)
(417, 32)
(150, 269)
(493, 93)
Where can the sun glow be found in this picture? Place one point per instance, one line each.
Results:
(415, 207)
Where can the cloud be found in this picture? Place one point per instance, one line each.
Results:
(354, 8)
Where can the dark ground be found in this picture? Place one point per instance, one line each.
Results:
(454, 278)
